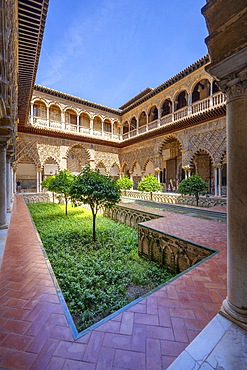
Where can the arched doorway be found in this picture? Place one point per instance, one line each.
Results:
(171, 164)
(136, 175)
(101, 167)
(114, 171)
(26, 174)
(202, 165)
(50, 167)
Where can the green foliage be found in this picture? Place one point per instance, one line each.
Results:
(150, 184)
(96, 190)
(48, 183)
(98, 278)
(60, 184)
(125, 183)
(193, 185)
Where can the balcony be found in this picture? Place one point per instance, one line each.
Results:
(196, 108)
(51, 125)
(192, 110)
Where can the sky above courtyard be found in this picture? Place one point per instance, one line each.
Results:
(108, 51)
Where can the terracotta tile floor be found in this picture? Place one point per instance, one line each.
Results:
(34, 332)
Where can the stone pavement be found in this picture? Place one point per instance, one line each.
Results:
(151, 334)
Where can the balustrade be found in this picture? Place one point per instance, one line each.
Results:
(200, 106)
(196, 108)
(142, 129)
(152, 125)
(181, 113)
(166, 119)
(55, 124)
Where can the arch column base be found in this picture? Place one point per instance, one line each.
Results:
(234, 314)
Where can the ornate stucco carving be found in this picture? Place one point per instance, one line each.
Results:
(107, 159)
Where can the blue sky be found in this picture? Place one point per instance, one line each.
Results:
(108, 51)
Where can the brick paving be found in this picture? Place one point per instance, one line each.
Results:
(35, 334)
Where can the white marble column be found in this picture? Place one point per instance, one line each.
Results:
(47, 117)
(189, 104)
(91, 126)
(112, 128)
(219, 182)
(173, 109)
(31, 113)
(215, 181)
(63, 120)
(159, 116)
(137, 126)
(14, 180)
(77, 123)
(39, 180)
(8, 183)
(211, 94)
(3, 192)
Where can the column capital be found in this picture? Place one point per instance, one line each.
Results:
(231, 75)
(218, 165)
(186, 168)
(235, 85)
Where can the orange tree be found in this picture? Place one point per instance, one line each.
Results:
(60, 184)
(125, 183)
(97, 190)
(193, 185)
(149, 184)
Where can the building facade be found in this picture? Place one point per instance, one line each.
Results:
(172, 131)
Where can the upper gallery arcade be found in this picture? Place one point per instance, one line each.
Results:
(171, 131)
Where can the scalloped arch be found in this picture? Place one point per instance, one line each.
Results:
(168, 138)
(79, 145)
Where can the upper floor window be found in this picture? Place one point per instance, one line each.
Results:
(107, 126)
(55, 113)
(181, 100)
(166, 108)
(142, 119)
(133, 123)
(201, 90)
(215, 87)
(71, 117)
(153, 114)
(39, 110)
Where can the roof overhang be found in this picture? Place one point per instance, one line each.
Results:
(31, 23)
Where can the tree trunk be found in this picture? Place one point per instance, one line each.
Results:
(94, 227)
(197, 200)
(66, 206)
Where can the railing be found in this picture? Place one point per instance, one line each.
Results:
(218, 99)
(181, 113)
(55, 124)
(142, 129)
(40, 121)
(196, 108)
(152, 125)
(200, 106)
(166, 119)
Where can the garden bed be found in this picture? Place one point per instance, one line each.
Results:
(96, 278)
